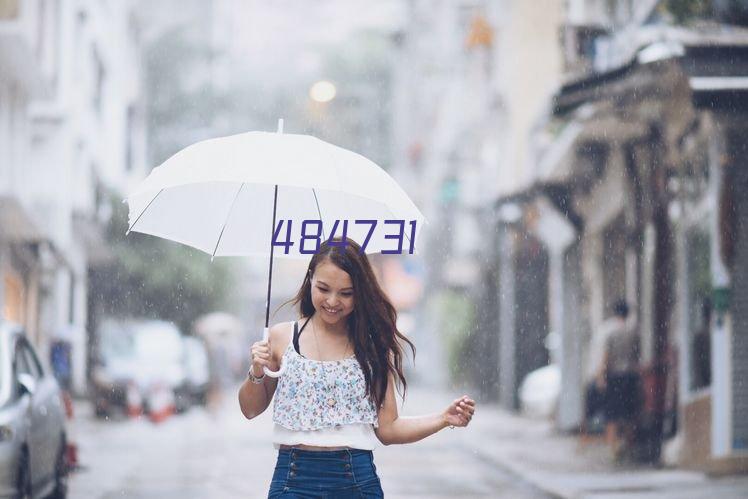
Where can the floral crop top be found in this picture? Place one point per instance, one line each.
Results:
(314, 394)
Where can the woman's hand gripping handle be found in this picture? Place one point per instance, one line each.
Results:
(261, 357)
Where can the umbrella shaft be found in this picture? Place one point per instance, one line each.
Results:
(272, 247)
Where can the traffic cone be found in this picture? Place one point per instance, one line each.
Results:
(160, 404)
(134, 401)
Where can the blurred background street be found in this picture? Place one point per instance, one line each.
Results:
(203, 454)
(583, 275)
(222, 455)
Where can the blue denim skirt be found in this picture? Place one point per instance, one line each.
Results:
(331, 474)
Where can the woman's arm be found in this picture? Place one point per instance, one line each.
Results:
(255, 398)
(395, 429)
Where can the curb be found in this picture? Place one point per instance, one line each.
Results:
(516, 472)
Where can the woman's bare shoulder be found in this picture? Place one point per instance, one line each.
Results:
(280, 336)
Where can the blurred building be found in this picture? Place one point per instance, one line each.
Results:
(29, 64)
(640, 154)
(563, 173)
(473, 79)
(73, 129)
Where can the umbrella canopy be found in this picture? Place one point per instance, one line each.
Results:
(217, 196)
(251, 193)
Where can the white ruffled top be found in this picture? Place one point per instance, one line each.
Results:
(323, 403)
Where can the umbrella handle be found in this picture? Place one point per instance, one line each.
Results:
(279, 372)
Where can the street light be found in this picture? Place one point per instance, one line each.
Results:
(322, 91)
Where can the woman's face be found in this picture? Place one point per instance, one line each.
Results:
(332, 292)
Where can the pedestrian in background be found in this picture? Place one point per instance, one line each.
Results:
(622, 382)
(594, 380)
(336, 400)
(60, 354)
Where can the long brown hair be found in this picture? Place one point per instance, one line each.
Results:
(371, 325)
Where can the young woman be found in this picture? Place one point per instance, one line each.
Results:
(336, 399)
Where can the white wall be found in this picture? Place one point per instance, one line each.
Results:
(55, 147)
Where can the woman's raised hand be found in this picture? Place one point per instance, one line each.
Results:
(260, 353)
(460, 411)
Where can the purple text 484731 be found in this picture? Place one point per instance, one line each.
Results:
(311, 235)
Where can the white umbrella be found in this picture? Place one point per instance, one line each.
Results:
(232, 196)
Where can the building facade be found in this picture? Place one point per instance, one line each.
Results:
(610, 169)
(76, 125)
(466, 96)
(647, 159)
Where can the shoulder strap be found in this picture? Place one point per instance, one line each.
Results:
(296, 336)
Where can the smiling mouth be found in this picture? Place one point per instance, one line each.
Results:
(330, 311)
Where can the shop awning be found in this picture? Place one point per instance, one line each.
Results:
(716, 67)
(16, 224)
(720, 92)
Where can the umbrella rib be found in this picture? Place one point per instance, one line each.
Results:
(405, 233)
(143, 212)
(225, 222)
(322, 226)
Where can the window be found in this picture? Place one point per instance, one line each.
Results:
(129, 131)
(25, 361)
(20, 362)
(9, 10)
(32, 362)
(99, 75)
(699, 306)
(614, 264)
(20, 366)
(71, 298)
(41, 28)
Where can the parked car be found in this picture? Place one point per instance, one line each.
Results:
(32, 422)
(197, 370)
(114, 377)
(139, 365)
(159, 352)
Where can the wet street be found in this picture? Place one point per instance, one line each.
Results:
(203, 455)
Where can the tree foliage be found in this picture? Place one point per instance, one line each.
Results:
(155, 278)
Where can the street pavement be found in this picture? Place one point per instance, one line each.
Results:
(222, 455)
(535, 453)
(500, 455)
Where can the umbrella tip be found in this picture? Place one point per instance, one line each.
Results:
(280, 125)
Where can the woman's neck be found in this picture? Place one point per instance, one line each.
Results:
(337, 330)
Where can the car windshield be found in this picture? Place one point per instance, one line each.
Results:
(116, 341)
(158, 341)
